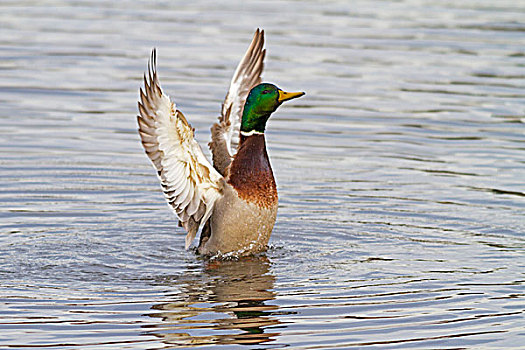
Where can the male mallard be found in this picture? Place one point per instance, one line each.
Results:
(236, 198)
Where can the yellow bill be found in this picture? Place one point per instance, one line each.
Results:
(285, 96)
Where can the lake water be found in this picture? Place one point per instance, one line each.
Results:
(401, 176)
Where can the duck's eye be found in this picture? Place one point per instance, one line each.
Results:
(265, 92)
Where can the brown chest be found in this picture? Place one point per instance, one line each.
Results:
(251, 174)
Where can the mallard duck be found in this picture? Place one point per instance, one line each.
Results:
(235, 200)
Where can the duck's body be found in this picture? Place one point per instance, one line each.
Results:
(243, 218)
(235, 200)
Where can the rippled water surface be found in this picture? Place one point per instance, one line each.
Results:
(401, 176)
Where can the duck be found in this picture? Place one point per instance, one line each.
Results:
(234, 200)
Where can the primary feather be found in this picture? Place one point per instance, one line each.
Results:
(226, 133)
(190, 183)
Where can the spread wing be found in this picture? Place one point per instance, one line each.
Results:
(225, 134)
(190, 183)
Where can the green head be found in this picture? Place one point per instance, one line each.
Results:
(262, 101)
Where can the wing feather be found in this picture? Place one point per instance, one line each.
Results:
(189, 182)
(226, 133)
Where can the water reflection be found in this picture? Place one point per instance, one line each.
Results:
(229, 303)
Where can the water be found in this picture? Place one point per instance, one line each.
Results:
(400, 173)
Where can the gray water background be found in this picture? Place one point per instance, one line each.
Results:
(400, 173)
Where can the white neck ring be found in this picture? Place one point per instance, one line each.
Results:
(250, 133)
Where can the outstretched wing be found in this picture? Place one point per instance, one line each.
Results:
(190, 184)
(225, 134)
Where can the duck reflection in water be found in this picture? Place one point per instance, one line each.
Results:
(228, 301)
